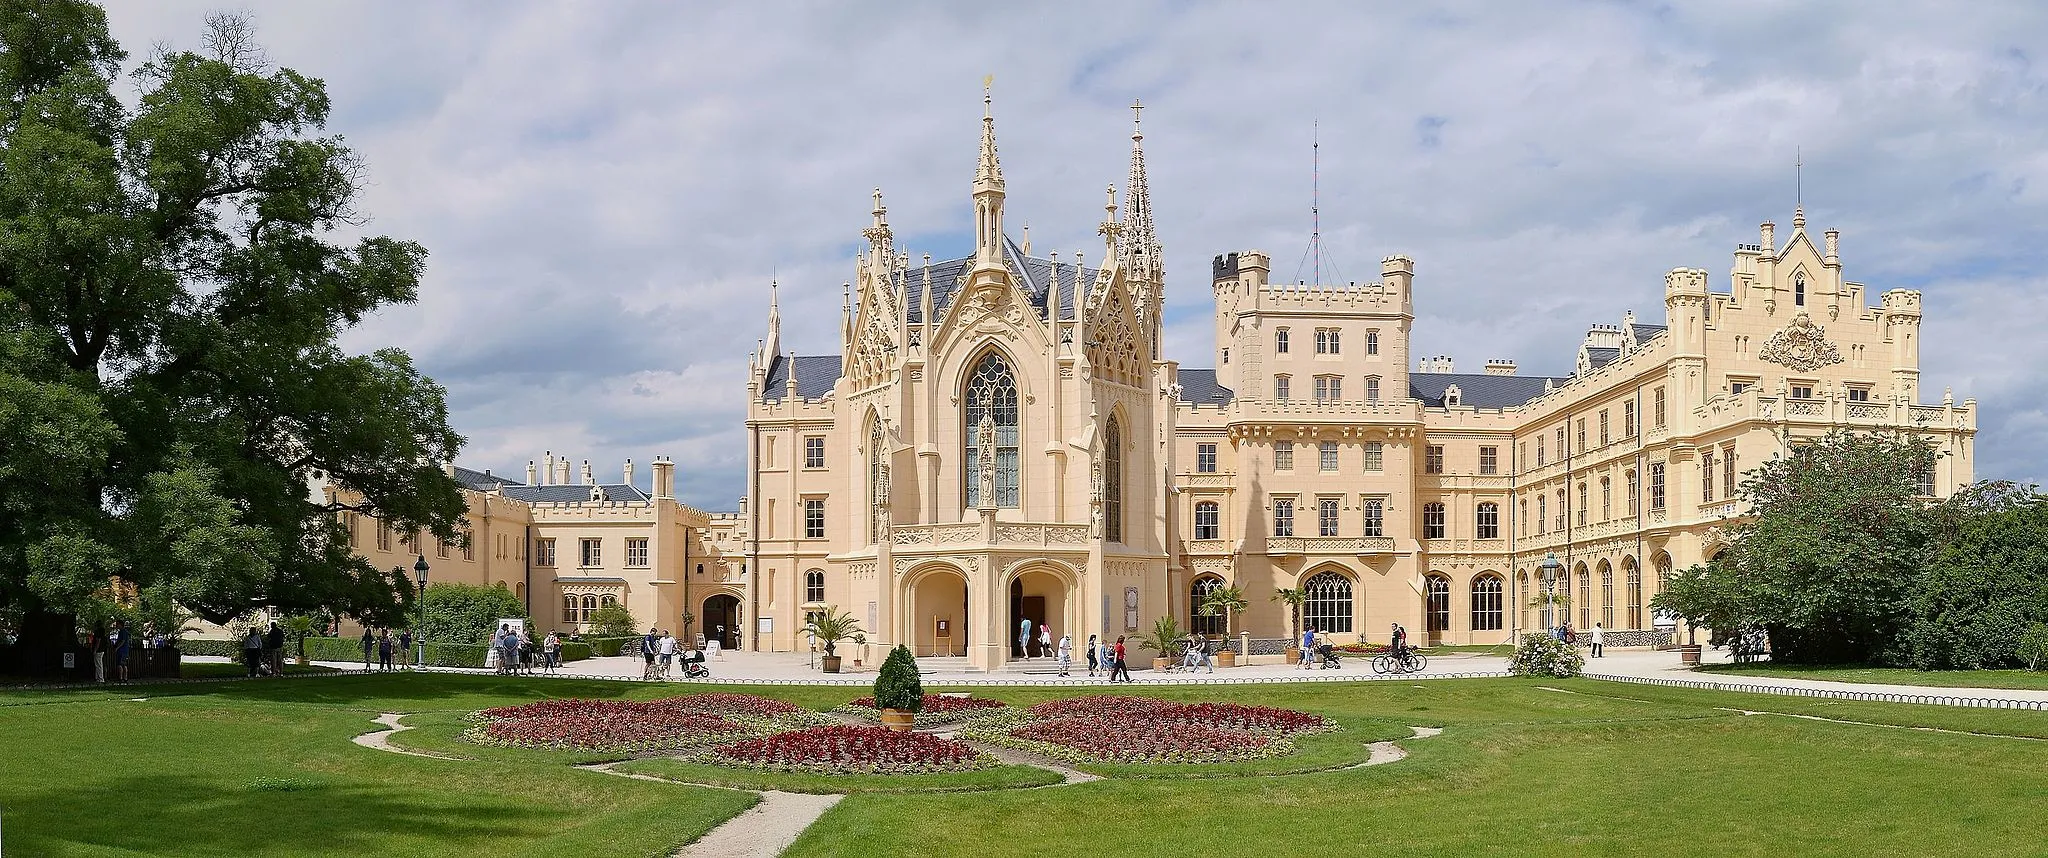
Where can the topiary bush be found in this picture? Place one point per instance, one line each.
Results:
(898, 686)
(1545, 655)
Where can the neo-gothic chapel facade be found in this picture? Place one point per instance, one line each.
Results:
(999, 439)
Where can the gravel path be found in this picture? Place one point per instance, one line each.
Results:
(381, 739)
(1388, 752)
(764, 831)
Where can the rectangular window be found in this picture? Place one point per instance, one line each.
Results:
(1226, 357)
(814, 452)
(1606, 499)
(468, 545)
(1326, 516)
(1525, 456)
(1489, 460)
(1559, 520)
(1283, 517)
(1375, 517)
(1657, 487)
(1707, 476)
(1205, 458)
(1801, 391)
(1728, 473)
(440, 548)
(1375, 453)
(1327, 454)
(1525, 518)
(1326, 341)
(593, 552)
(1657, 408)
(1489, 521)
(1859, 394)
(1433, 459)
(348, 526)
(1372, 342)
(1633, 488)
(1628, 420)
(1582, 504)
(814, 518)
(1323, 388)
(1208, 521)
(1539, 451)
(1582, 437)
(1432, 521)
(1372, 388)
(1280, 387)
(1283, 455)
(1280, 341)
(1542, 514)
(1603, 427)
(1737, 388)
(1336, 389)
(1926, 480)
(636, 552)
(383, 535)
(544, 552)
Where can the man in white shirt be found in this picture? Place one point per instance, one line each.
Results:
(1599, 641)
(668, 651)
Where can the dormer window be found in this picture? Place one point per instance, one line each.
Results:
(1452, 396)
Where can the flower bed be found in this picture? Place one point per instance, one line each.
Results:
(636, 726)
(1124, 729)
(850, 750)
(939, 709)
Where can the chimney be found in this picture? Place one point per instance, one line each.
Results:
(532, 473)
(562, 471)
(629, 472)
(664, 477)
(587, 481)
(1500, 366)
(547, 478)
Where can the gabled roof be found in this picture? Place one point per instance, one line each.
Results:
(572, 493)
(1199, 387)
(1033, 275)
(1476, 390)
(480, 480)
(1599, 357)
(815, 375)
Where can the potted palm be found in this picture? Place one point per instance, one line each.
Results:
(1294, 598)
(831, 627)
(899, 693)
(860, 640)
(297, 627)
(1165, 635)
(1229, 601)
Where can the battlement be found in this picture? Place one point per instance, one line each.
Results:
(1690, 281)
(1901, 301)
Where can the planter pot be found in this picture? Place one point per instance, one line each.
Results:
(1226, 658)
(1689, 654)
(831, 663)
(1160, 664)
(856, 663)
(1293, 655)
(898, 720)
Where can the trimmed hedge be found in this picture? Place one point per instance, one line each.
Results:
(351, 649)
(606, 647)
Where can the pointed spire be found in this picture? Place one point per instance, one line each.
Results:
(989, 169)
(988, 191)
(1110, 229)
(1798, 191)
(772, 345)
(1141, 242)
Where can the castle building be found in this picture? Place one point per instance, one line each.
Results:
(999, 439)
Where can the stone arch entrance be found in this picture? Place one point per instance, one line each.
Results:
(936, 608)
(1041, 594)
(720, 620)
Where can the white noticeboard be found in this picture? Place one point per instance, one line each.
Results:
(517, 624)
(767, 625)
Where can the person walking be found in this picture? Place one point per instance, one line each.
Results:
(117, 644)
(369, 643)
(1308, 648)
(96, 641)
(384, 650)
(1119, 667)
(668, 652)
(405, 650)
(1044, 640)
(252, 650)
(273, 648)
(649, 646)
(1094, 654)
(1066, 654)
(1599, 641)
(553, 651)
(1024, 638)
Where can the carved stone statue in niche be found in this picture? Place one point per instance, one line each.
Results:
(985, 443)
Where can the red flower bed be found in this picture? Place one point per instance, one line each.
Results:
(1237, 716)
(712, 703)
(1111, 705)
(1110, 739)
(938, 709)
(851, 750)
(725, 703)
(604, 729)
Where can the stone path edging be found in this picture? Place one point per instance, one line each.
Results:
(1967, 701)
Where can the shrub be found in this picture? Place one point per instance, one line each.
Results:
(897, 685)
(466, 613)
(1545, 655)
(575, 650)
(2033, 648)
(613, 621)
(607, 647)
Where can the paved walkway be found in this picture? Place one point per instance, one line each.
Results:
(1664, 667)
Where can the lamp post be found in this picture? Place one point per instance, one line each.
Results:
(1551, 569)
(419, 639)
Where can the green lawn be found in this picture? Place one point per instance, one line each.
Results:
(245, 768)
(2022, 679)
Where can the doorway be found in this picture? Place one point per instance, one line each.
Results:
(722, 621)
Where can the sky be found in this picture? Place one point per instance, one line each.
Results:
(607, 189)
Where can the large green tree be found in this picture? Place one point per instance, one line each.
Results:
(1986, 581)
(172, 284)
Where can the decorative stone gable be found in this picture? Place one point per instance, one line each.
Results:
(1801, 346)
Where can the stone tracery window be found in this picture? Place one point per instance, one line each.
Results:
(1486, 603)
(877, 460)
(1113, 481)
(1326, 606)
(992, 390)
(1206, 625)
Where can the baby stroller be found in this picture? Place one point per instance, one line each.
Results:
(1326, 654)
(693, 665)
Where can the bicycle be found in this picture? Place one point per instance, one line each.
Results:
(1406, 661)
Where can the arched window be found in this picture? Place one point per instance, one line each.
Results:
(589, 607)
(1208, 524)
(1635, 593)
(608, 601)
(992, 391)
(1372, 388)
(1799, 290)
(1606, 594)
(1432, 521)
(814, 586)
(1486, 603)
(1522, 599)
(1436, 615)
(1113, 480)
(877, 460)
(1326, 603)
(1585, 598)
(1489, 520)
(1200, 623)
(568, 609)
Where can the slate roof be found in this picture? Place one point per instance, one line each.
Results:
(480, 481)
(1034, 277)
(572, 493)
(1599, 357)
(815, 375)
(580, 579)
(1199, 387)
(1477, 390)
(1643, 333)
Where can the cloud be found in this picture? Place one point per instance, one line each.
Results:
(607, 190)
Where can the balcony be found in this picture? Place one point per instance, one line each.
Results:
(1360, 545)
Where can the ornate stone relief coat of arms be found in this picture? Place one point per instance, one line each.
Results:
(1801, 346)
